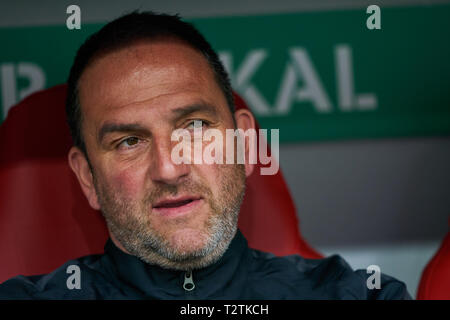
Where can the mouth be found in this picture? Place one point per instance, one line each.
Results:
(175, 207)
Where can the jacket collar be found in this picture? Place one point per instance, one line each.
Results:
(220, 280)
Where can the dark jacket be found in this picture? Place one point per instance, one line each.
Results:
(241, 273)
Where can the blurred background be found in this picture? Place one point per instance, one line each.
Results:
(364, 114)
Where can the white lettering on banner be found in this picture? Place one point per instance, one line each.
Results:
(374, 281)
(74, 280)
(8, 82)
(345, 84)
(74, 20)
(8, 76)
(374, 20)
(299, 69)
(312, 90)
(241, 78)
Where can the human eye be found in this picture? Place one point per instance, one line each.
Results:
(128, 143)
(197, 123)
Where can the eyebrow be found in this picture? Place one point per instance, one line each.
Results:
(199, 107)
(120, 127)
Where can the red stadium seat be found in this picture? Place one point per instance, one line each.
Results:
(46, 220)
(435, 281)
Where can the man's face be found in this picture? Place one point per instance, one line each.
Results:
(177, 216)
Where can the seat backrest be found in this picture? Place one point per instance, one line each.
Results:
(46, 220)
(435, 281)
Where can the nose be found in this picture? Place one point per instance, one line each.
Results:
(163, 169)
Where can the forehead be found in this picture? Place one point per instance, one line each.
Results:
(163, 73)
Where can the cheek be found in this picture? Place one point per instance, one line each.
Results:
(212, 175)
(129, 183)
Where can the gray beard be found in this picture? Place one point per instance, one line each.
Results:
(136, 235)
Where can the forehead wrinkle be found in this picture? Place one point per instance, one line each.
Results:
(148, 104)
(145, 93)
(130, 79)
(129, 68)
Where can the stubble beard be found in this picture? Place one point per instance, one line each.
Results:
(129, 221)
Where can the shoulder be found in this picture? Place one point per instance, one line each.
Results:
(294, 277)
(76, 279)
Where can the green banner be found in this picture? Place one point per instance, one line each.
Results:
(314, 75)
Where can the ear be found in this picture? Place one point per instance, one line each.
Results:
(245, 120)
(79, 165)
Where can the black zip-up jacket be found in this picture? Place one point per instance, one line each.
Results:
(241, 273)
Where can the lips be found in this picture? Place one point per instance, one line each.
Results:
(174, 207)
(175, 202)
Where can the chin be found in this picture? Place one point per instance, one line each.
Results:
(187, 241)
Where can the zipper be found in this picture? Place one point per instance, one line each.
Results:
(188, 284)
